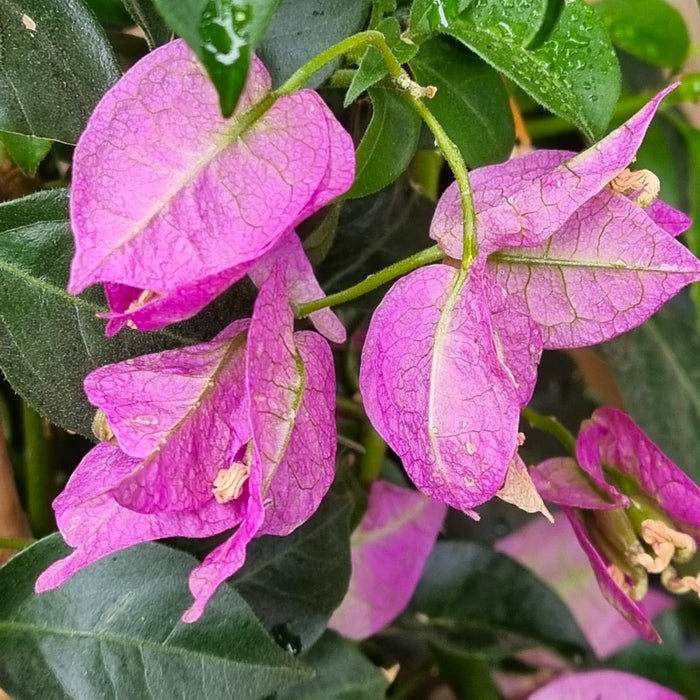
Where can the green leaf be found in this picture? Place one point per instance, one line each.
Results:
(657, 34)
(471, 101)
(342, 673)
(318, 243)
(144, 13)
(55, 65)
(25, 151)
(223, 34)
(388, 144)
(557, 52)
(109, 12)
(658, 375)
(294, 583)
(302, 29)
(372, 67)
(114, 630)
(49, 339)
(475, 599)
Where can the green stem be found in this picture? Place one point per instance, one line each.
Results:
(350, 407)
(398, 269)
(375, 451)
(352, 43)
(459, 169)
(14, 542)
(38, 472)
(551, 425)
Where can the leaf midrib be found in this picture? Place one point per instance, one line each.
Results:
(19, 628)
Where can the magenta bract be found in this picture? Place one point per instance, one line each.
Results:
(603, 685)
(564, 260)
(171, 203)
(239, 431)
(435, 388)
(389, 549)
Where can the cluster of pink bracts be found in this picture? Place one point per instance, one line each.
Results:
(171, 204)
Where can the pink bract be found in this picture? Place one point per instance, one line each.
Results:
(563, 261)
(258, 398)
(389, 549)
(603, 685)
(171, 203)
(563, 565)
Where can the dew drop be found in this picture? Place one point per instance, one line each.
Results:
(470, 448)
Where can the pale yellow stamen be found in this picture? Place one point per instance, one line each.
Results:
(637, 591)
(671, 582)
(668, 543)
(144, 298)
(644, 182)
(228, 484)
(101, 427)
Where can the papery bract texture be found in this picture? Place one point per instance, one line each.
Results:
(581, 261)
(605, 271)
(302, 285)
(169, 196)
(435, 389)
(611, 437)
(561, 563)
(559, 480)
(526, 200)
(388, 548)
(603, 685)
(630, 609)
(242, 405)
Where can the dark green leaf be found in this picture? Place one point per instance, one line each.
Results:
(657, 34)
(469, 674)
(561, 56)
(318, 243)
(49, 340)
(388, 144)
(380, 8)
(372, 67)
(25, 151)
(55, 65)
(302, 29)
(342, 673)
(145, 15)
(471, 594)
(294, 583)
(110, 12)
(471, 101)
(658, 374)
(114, 630)
(223, 33)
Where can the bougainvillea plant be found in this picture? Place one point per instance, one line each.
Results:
(309, 308)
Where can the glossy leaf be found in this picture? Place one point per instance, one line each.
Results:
(116, 625)
(657, 35)
(223, 34)
(301, 29)
(280, 579)
(144, 13)
(25, 151)
(49, 339)
(342, 673)
(565, 60)
(471, 101)
(53, 104)
(388, 144)
(659, 378)
(468, 589)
